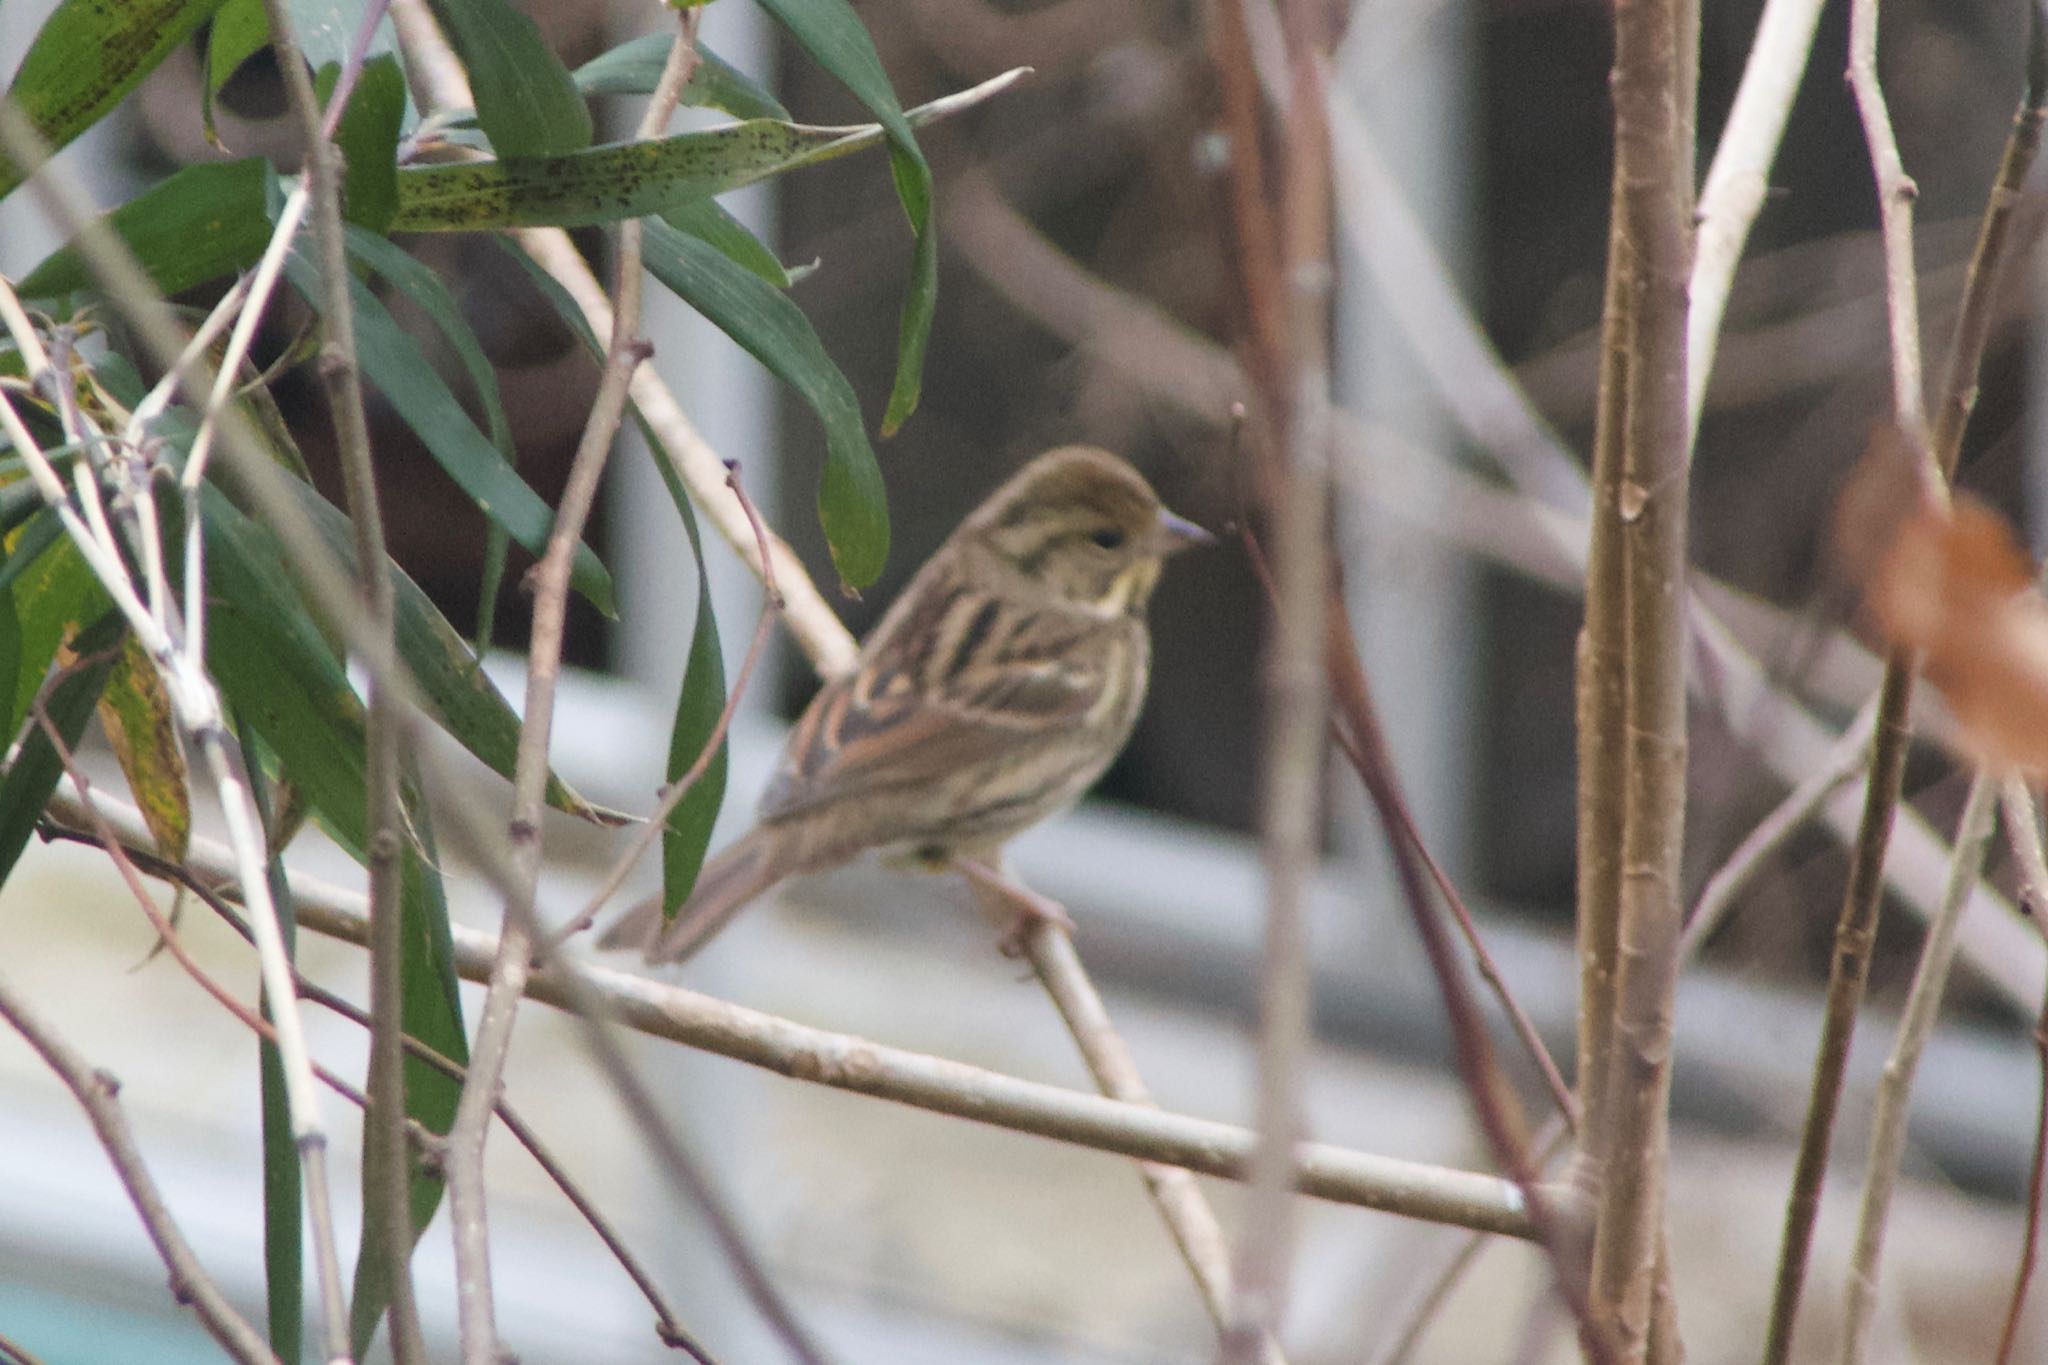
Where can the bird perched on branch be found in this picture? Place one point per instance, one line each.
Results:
(993, 694)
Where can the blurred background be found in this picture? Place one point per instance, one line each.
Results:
(1085, 295)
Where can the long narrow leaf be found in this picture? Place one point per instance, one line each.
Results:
(274, 667)
(368, 138)
(135, 714)
(391, 360)
(55, 595)
(708, 222)
(852, 504)
(280, 676)
(525, 100)
(26, 784)
(688, 833)
(698, 705)
(834, 36)
(198, 224)
(462, 696)
(87, 56)
(425, 289)
(631, 179)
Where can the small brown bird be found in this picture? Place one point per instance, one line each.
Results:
(993, 694)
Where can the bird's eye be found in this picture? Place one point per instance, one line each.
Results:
(1109, 538)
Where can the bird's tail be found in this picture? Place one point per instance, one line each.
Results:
(727, 883)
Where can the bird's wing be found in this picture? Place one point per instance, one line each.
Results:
(940, 691)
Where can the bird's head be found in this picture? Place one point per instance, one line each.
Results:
(1085, 527)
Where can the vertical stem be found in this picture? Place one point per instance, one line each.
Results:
(387, 1162)
(1848, 973)
(513, 966)
(1653, 200)
(1296, 360)
(1850, 969)
(1894, 1095)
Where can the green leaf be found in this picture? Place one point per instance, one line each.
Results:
(426, 291)
(53, 595)
(634, 68)
(392, 361)
(240, 29)
(698, 706)
(281, 678)
(451, 678)
(607, 183)
(631, 179)
(831, 32)
(525, 100)
(284, 1268)
(28, 781)
(852, 504)
(135, 714)
(87, 56)
(273, 666)
(198, 224)
(41, 529)
(688, 833)
(708, 222)
(368, 138)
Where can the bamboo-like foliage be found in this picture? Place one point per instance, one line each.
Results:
(171, 569)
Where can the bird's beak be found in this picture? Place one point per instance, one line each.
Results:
(1178, 533)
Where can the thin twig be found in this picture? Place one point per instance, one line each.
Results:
(1729, 880)
(550, 579)
(2022, 818)
(1411, 1189)
(14, 1353)
(386, 1163)
(667, 1327)
(1850, 967)
(1894, 1093)
(1295, 491)
(1895, 195)
(1738, 181)
(96, 1091)
(812, 623)
(672, 795)
(197, 706)
(1182, 1206)
(1405, 827)
(128, 288)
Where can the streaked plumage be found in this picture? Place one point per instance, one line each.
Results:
(992, 694)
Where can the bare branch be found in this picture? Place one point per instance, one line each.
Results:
(1046, 942)
(1894, 1094)
(387, 1170)
(1341, 1175)
(1728, 881)
(672, 796)
(1850, 967)
(97, 1092)
(466, 1136)
(198, 710)
(1739, 179)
